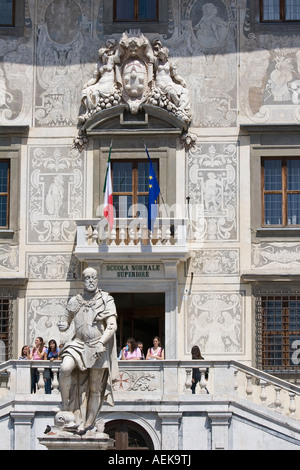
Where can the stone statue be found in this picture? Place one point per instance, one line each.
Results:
(168, 81)
(101, 91)
(89, 361)
(133, 72)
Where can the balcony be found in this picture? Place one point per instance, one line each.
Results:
(160, 382)
(237, 407)
(131, 237)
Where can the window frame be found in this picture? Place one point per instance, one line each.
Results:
(118, 27)
(136, 19)
(17, 29)
(281, 14)
(131, 147)
(10, 149)
(284, 192)
(6, 323)
(12, 25)
(271, 141)
(134, 172)
(7, 193)
(266, 337)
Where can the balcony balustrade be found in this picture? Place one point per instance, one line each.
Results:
(158, 380)
(131, 236)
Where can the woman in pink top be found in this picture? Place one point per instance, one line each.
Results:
(38, 351)
(157, 352)
(133, 352)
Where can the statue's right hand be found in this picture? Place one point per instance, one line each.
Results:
(62, 325)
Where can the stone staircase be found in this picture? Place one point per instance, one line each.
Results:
(244, 408)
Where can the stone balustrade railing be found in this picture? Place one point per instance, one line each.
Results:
(132, 233)
(227, 380)
(15, 376)
(267, 390)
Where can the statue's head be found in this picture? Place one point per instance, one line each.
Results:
(90, 279)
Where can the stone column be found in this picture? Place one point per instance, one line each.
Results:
(219, 430)
(22, 429)
(171, 310)
(169, 430)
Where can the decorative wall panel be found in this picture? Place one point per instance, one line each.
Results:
(215, 322)
(213, 191)
(56, 194)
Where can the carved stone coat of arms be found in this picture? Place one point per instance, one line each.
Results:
(135, 72)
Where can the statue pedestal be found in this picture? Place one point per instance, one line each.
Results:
(64, 435)
(69, 441)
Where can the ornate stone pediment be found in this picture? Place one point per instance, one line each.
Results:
(133, 74)
(119, 120)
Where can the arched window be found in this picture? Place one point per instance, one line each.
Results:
(128, 435)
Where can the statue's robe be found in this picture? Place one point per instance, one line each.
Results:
(90, 321)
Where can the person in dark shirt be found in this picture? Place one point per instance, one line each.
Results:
(196, 375)
(51, 354)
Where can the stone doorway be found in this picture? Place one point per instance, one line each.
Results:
(141, 316)
(128, 435)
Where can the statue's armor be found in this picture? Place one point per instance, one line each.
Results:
(89, 318)
(87, 329)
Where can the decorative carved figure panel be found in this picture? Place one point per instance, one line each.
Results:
(270, 73)
(9, 258)
(63, 39)
(43, 315)
(214, 262)
(16, 82)
(213, 191)
(209, 36)
(215, 322)
(56, 194)
(62, 266)
(137, 381)
(276, 257)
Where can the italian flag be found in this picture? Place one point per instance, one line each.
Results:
(108, 197)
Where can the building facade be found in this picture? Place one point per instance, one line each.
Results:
(212, 91)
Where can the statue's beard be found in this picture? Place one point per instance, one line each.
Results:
(90, 288)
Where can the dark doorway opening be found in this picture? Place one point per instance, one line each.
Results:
(140, 316)
(128, 435)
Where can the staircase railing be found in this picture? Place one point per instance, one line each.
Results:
(230, 380)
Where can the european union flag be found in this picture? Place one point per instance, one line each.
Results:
(154, 191)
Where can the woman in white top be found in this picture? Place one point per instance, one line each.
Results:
(156, 352)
